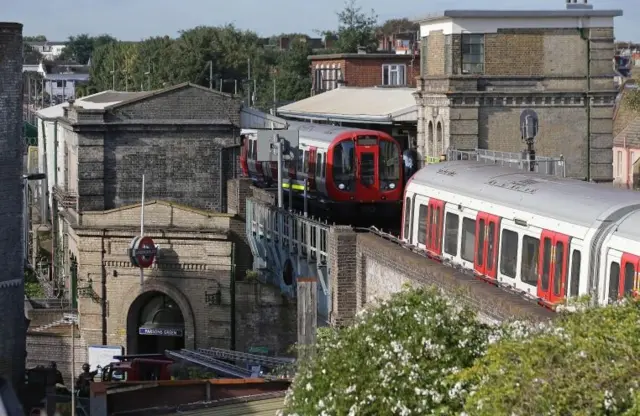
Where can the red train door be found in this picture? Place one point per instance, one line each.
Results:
(311, 172)
(367, 181)
(553, 260)
(244, 151)
(435, 215)
(629, 267)
(487, 236)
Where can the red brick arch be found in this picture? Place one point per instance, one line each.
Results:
(148, 290)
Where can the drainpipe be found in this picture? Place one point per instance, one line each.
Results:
(104, 289)
(54, 203)
(233, 296)
(586, 38)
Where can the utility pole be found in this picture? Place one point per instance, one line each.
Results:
(249, 82)
(211, 76)
(113, 74)
(275, 98)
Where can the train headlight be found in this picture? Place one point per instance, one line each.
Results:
(392, 186)
(341, 186)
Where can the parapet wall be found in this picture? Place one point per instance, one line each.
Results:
(370, 268)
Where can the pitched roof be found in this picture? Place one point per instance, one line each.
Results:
(96, 101)
(374, 105)
(630, 135)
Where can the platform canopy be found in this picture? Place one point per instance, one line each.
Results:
(378, 105)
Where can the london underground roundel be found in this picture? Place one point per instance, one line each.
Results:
(143, 252)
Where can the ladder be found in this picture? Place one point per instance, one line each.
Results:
(244, 357)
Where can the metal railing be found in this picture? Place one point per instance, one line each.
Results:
(541, 164)
(295, 234)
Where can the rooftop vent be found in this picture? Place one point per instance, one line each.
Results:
(574, 5)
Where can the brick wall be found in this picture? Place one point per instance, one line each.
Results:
(12, 341)
(367, 72)
(55, 345)
(436, 53)
(383, 268)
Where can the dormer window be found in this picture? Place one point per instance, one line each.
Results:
(472, 53)
(394, 74)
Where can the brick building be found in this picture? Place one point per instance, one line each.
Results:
(185, 140)
(363, 70)
(481, 68)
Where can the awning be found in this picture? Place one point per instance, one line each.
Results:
(377, 105)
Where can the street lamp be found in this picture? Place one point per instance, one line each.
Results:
(25, 211)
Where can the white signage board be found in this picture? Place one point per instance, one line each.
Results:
(101, 355)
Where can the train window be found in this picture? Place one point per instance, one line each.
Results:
(509, 253)
(407, 217)
(546, 264)
(558, 262)
(614, 281)
(422, 225)
(318, 164)
(629, 277)
(468, 243)
(480, 245)
(305, 158)
(324, 165)
(576, 258)
(388, 161)
(490, 244)
(529, 263)
(343, 162)
(299, 160)
(452, 223)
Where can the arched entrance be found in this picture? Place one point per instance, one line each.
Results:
(155, 323)
(440, 146)
(431, 145)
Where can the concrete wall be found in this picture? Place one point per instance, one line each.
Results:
(12, 147)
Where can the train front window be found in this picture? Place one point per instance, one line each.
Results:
(389, 164)
(343, 165)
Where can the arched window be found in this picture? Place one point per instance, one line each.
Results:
(430, 142)
(439, 149)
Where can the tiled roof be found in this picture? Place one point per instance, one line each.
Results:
(630, 135)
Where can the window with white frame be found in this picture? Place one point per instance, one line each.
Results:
(394, 74)
(472, 53)
(326, 77)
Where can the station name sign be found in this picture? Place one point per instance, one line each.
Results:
(161, 332)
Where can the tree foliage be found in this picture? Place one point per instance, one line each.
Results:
(421, 354)
(80, 48)
(394, 360)
(355, 29)
(585, 364)
(395, 26)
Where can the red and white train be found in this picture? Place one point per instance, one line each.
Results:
(344, 167)
(547, 237)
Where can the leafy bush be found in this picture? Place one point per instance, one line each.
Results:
(396, 359)
(586, 363)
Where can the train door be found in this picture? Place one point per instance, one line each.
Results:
(320, 170)
(311, 172)
(251, 156)
(629, 274)
(244, 151)
(574, 276)
(420, 211)
(367, 181)
(435, 218)
(487, 236)
(552, 268)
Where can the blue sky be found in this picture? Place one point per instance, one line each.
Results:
(136, 19)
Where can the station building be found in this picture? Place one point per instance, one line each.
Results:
(481, 68)
(185, 141)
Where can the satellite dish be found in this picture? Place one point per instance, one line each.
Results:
(528, 124)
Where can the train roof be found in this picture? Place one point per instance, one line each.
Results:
(629, 227)
(319, 132)
(573, 201)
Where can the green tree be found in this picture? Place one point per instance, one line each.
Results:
(355, 29)
(396, 359)
(80, 48)
(586, 363)
(395, 26)
(37, 38)
(30, 55)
